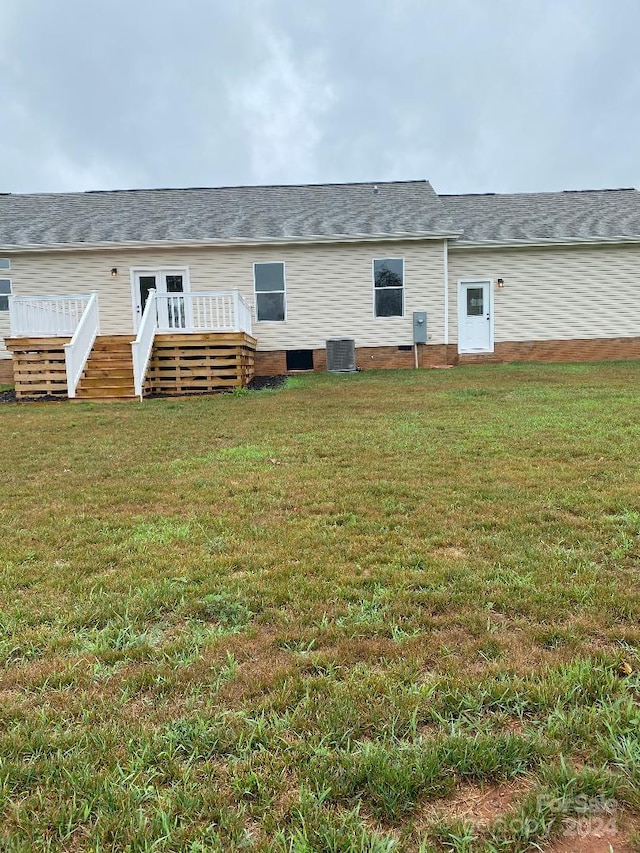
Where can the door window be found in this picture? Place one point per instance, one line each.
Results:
(175, 304)
(147, 283)
(475, 301)
(174, 283)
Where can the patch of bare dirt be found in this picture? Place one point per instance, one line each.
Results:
(259, 383)
(602, 832)
(514, 726)
(614, 842)
(481, 805)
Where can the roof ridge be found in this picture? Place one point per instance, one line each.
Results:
(541, 192)
(226, 187)
(604, 190)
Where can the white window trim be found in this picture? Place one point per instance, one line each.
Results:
(7, 278)
(462, 282)
(283, 291)
(403, 288)
(5, 269)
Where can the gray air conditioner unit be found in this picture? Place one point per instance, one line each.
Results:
(341, 355)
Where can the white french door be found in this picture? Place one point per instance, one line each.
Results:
(475, 316)
(168, 284)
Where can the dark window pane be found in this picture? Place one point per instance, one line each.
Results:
(475, 302)
(147, 283)
(270, 306)
(389, 302)
(388, 272)
(5, 289)
(269, 277)
(174, 284)
(5, 264)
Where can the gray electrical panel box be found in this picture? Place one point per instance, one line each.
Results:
(419, 327)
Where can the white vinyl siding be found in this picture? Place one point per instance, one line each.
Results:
(554, 293)
(549, 293)
(329, 291)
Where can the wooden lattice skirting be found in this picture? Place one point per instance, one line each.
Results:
(38, 367)
(200, 363)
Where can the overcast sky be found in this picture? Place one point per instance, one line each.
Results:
(475, 95)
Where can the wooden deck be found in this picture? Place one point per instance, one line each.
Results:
(200, 363)
(39, 367)
(180, 364)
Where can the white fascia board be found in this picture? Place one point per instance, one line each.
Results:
(249, 241)
(533, 244)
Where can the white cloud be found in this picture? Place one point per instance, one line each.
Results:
(281, 109)
(474, 96)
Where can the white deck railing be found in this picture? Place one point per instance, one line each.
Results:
(143, 345)
(218, 311)
(76, 352)
(46, 316)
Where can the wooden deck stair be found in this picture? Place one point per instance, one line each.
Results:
(108, 373)
(180, 364)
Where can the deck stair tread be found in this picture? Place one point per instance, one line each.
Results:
(108, 373)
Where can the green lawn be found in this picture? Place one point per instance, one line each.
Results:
(325, 618)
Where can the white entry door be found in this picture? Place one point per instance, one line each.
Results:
(475, 316)
(167, 283)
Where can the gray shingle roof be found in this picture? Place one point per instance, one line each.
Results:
(323, 211)
(226, 214)
(541, 217)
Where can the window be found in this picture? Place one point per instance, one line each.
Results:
(270, 290)
(5, 292)
(388, 280)
(5, 264)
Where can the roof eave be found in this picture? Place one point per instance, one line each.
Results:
(560, 241)
(220, 243)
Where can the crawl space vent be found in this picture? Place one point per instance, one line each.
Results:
(341, 355)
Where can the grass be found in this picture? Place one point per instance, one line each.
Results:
(302, 620)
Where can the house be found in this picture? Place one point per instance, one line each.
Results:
(117, 294)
